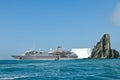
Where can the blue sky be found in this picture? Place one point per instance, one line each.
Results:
(26, 24)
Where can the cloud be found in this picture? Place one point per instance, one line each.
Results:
(116, 16)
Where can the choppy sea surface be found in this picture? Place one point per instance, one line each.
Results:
(84, 69)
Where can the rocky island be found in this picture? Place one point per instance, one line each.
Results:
(103, 49)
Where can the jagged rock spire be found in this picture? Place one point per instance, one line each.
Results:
(103, 49)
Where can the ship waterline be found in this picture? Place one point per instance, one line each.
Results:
(44, 57)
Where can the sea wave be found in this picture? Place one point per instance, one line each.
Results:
(88, 69)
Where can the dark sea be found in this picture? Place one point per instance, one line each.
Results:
(84, 69)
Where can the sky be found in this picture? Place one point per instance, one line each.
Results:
(44, 24)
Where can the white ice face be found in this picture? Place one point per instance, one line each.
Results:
(82, 52)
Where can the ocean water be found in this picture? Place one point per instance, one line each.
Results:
(85, 69)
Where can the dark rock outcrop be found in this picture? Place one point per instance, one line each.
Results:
(103, 49)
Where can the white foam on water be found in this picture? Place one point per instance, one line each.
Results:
(13, 77)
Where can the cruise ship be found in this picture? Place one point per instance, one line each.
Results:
(58, 54)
